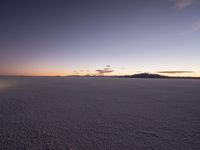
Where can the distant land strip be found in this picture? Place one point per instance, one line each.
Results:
(149, 75)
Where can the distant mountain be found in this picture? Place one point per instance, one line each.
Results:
(145, 75)
(149, 75)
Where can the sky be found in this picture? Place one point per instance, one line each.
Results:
(99, 37)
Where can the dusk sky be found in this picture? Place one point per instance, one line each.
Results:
(79, 37)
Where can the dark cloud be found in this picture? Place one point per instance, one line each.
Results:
(175, 72)
(105, 70)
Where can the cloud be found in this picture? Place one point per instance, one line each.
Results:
(193, 27)
(107, 69)
(175, 72)
(181, 4)
(196, 26)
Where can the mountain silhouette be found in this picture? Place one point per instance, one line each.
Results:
(146, 75)
(149, 75)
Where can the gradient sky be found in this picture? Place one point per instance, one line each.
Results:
(65, 37)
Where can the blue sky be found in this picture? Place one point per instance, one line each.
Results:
(76, 37)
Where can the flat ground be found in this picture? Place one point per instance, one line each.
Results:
(60, 113)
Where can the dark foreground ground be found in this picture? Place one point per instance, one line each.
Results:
(52, 113)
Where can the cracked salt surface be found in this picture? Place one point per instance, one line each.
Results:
(52, 113)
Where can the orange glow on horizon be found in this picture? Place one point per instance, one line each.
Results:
(46, 71)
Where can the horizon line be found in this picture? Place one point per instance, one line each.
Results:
(102, 75)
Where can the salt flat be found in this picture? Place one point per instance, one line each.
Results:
(85, 113)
